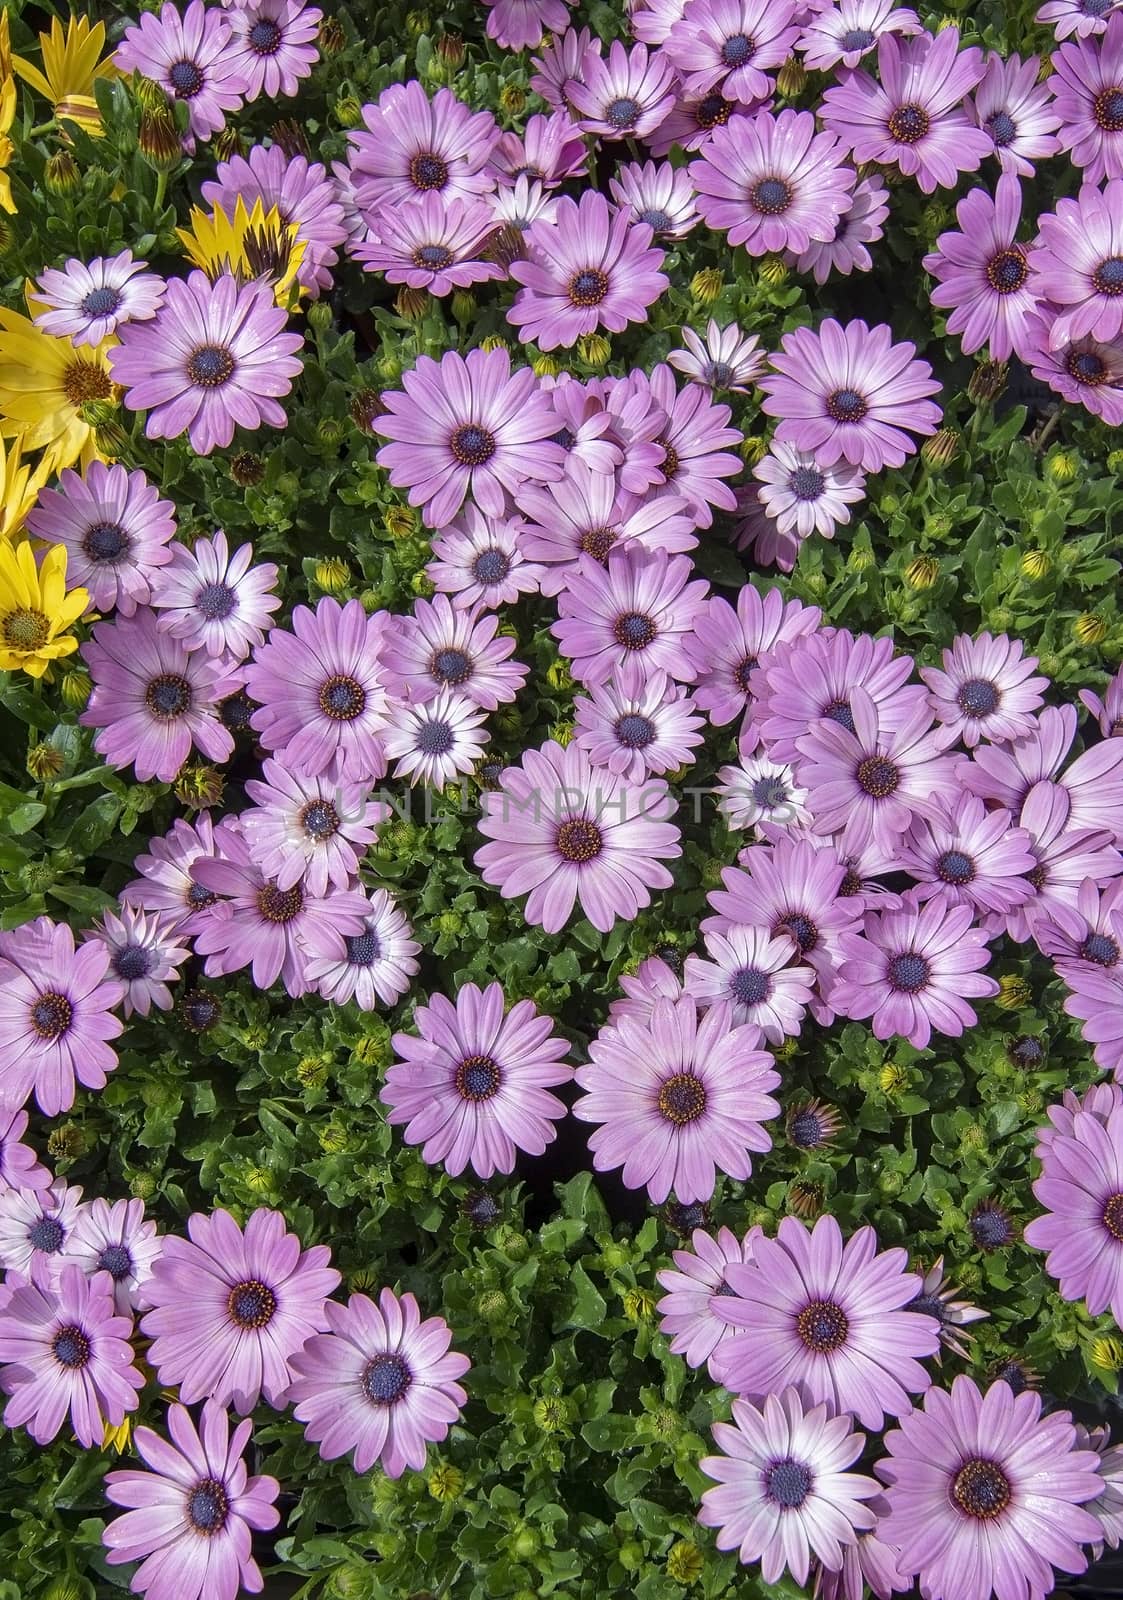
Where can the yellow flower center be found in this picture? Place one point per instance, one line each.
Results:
(25, 630)
(85, 380)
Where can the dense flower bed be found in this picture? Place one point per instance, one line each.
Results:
(561, 876)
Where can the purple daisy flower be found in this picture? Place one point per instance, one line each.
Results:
(587, 427)
(144, 956)
(637, 722)
(586, 515)
(19, 1165)
(802, 497)
(985, 1495)
(1087, 86)
(230, 1307)
(215, 601)
(35, 1228)
(521, 205)
(116, 529)
(1088, 934)
(1016, 111)
(474, 1089)
(986, 689)
(1086, 372)
(1079, 17)
(1100, 1101)
(381, 1385)
(690, 124)
(88, 300)
(152, 699)
(263, 924)
(829, 1316)
(869, 1563)
(165, 884)
(870, 782)
(1107, 1507)
(728, 45)
(752, 970)
(862, 224)
(65, 1353)
(118, 1240)
(662, 196)
(686, 1314)
(624, 95)
(311, 831)
(912, 970)
(640, 607)
(1092, 785)
(758, 791)
(1081, 1186)
(438, 740)
(56, 1019)
(652, 980)
(273, 45)
(303, 194)
(413, 146)
(1095, 997)
(693, 438)
(677, 1099)
(811, 676)
(983, 274)
(323, 692)
(189, 56)
(433, 244)
(377, 964)
(936, 1298)
(194, 1511)
(652, 20)
(1065, 854)
(563, 830)
(520, 24)
(969, 856)
(591, 267)
(561, 65)
(483, 561)
(850, 392)
(728, 359)
(842, 34)
(729, 645)
(783, 1492)
(549, 150)
(1108, 711)
(772, 182)
(215, 355)
(1077, 264)
(440, 647)
(467, 425)
(914, 118)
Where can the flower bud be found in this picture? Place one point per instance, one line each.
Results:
(289, 134)
(706, 286)
(551, 1413)
(1090, 629)
(773, 271)
(1036, 564)
(199, 786)
(922, 573)
(546, 366)
(331, 37)
(446, 1482)
(463, 305)
(685, 1563)
(791, 80)
(332, 575)
(320, 316)
(512, 99)
(61, 174)
(348, 111)
(366, 407)
(1014, 993)
(45, 761)
(199, 1010)
(246, 468)
(1062, 466)
(228, 143)
(76, 687)
(143, 1186)
(494, 341)
(987, 381)
(942, 448)
(594, 349)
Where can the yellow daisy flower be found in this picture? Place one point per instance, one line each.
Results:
(71, 63)
(7, 112)
(35, 609)
(19, 486)
(251, 244)
(44, 384)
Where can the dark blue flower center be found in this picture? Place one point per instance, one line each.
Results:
(251, 1304)
(877, 777)
(1108, 276)
(846, 405)
(635, 731)
(265, 37)
(799, 927)
(990, 1227)
(385, 1379)
(981, 1489)
(807, 483)
(478, 1078)
(198, 897)
(1012, 1372)
(1086, 367)
(428, 171)
(588, 287)
(579, 840)
(186, 78)
(1007, 271)
(472, 445)
(132, 962)
(435, 738)
(46, 1234)
(856, 39)
(105, 541)
(101, 302)
(908, 124)
(1002, 129)
(737, 49)
(978, 697)
(432, 257)
(51, 1015)
(955, 867)
(658, 221)
(565, 437)
(928, 1305)
(623, 112)
(713, 112)
(719, 374)
(769, 792)
(771, 196)
(1026, 1051)
(319, 819)
(788, 1483)
(1108, 109)
(168, 696)
(491, 566)
(208, 1506)
(1100, 948)
(634, 630)
(342, 699)
(743, 671)
(210, 366)
(1096, 8)
(908, 973)
(116, 1260)
(839, 711)
(451, 666)
(280, 906)
(750, 986)
(682, 1098)
(823, 1326)
(1113, 1216)
(216, 601)
(363, 949)
(71, 1348)
(200, 1011)
(806, 1130)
